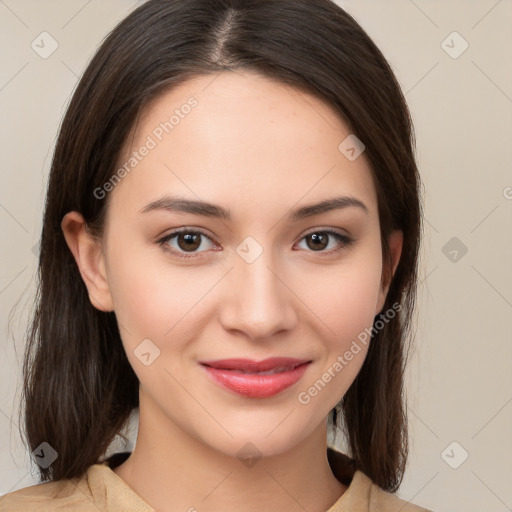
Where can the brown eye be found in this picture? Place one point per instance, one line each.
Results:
(186, 241)
(318, 241)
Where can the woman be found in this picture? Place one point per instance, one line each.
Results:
(230, 244)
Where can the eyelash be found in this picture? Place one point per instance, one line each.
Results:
(344, 241)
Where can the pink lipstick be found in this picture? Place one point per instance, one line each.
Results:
(256, 379)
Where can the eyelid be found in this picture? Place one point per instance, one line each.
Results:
(326, 229)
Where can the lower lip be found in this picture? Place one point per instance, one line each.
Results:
(254, 385)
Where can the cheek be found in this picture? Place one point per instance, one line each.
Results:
(156, 300)
(344, 297)
(346, 309)
(148, 299)
(154, 304)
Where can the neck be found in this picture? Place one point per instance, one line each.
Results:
(174, 471)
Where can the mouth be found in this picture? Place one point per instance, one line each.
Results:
(272, 364)
(256, 379)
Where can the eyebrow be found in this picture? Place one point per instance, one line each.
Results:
(175, 204)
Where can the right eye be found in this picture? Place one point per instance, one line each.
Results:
(184, 241)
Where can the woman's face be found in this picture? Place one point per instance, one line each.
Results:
(264, 281)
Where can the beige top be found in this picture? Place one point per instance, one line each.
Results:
(100, 489)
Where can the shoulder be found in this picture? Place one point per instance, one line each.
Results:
(72, 495)
(362, 493)
(380, 500)
(98, 489)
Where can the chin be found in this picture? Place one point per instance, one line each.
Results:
(249, 445)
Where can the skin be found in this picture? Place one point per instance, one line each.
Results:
(260, 149)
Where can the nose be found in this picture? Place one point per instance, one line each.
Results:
(257, 300)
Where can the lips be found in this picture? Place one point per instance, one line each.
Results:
(253, 379)
(267, 366)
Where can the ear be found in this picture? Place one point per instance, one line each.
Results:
(395, 242)
(89, 258)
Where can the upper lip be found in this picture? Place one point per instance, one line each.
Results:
(256, 366)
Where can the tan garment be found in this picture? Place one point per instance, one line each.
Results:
(100, 489)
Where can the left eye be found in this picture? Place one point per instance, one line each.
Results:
(319, 241)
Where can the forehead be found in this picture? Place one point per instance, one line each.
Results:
(240, 139)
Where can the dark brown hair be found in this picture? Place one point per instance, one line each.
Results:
(79, 387)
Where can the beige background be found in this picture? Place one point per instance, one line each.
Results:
(460, 378)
